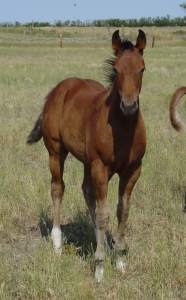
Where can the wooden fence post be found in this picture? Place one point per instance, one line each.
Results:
(60, 40)
(153, 41)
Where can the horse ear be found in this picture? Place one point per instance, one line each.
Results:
(141, 41)
(116, 42)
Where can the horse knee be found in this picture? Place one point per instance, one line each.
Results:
(57, 189)
(102, 216)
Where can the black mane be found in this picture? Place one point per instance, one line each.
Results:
(109, 70)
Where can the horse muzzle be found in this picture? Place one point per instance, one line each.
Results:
(130, 109)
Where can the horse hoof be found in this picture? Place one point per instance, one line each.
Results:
(99, 273)
(121, 265)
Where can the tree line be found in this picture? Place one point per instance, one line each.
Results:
(158, 21)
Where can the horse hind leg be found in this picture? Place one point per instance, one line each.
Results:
(56, 162)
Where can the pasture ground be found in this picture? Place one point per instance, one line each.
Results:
(31, 64)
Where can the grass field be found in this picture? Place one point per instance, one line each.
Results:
(31, 64)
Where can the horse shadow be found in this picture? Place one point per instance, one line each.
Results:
(79, 233)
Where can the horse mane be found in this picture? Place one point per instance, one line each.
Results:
(109, 70)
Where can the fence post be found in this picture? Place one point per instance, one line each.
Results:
(60, 40)
(153, 41)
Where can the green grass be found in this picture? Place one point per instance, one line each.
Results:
(29, 269)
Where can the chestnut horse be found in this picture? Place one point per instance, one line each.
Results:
(104, 129)
(174, 117)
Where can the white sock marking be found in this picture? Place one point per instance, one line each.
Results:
(121, 265)
(56, 237)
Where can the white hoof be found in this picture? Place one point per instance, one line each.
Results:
(121, 266)
(56, 239)
(99, 273)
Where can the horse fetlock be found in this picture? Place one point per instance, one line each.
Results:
(120, 248)
(56, 239)
(119, 243)
(121, 251)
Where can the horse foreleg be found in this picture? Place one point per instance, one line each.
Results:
(126, 185)
(99, 176)
(89, 195)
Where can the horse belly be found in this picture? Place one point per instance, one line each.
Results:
(75, 145)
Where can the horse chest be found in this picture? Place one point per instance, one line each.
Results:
(121, 149)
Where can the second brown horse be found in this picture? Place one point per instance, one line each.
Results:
(104, 129)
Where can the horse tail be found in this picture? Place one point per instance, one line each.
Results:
(174, 117)
(36, 133)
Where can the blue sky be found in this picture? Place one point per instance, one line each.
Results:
(51, 10)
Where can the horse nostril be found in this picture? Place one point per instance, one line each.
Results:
(134, 105)
(122, 105)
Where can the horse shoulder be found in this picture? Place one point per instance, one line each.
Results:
(99, 135)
